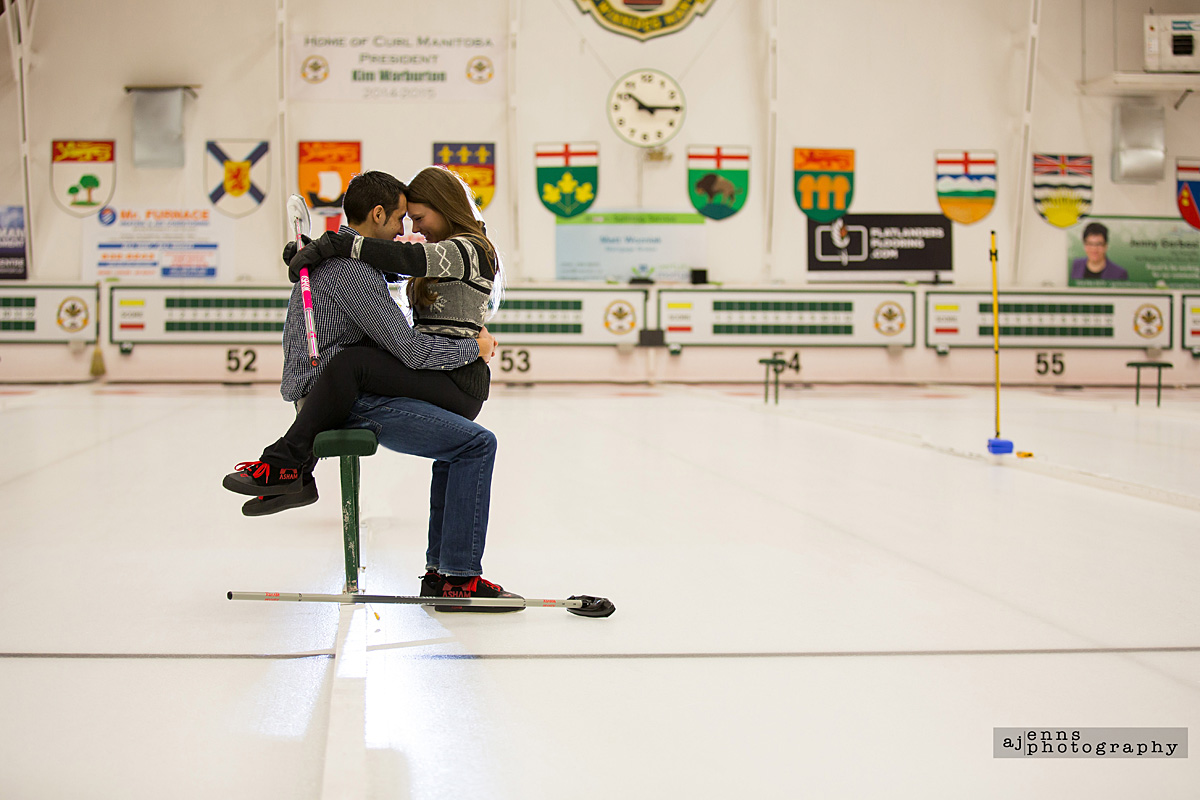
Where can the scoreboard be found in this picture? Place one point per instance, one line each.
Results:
(964, 319)
(787, 318)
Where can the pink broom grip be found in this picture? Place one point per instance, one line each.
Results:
(298, 217)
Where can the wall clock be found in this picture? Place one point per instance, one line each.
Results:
(646, 107)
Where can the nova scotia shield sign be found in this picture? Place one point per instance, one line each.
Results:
(237, 173)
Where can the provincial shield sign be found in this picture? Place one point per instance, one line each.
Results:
(82, 174)
(237, 173)
(475, 163)
(324, 171)
(568, 174)
(824, 182)
(1062, 188)
(966, 183)
(718, 179)
(1187, 189)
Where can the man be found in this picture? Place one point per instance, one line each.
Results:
(351, 303)
(1095, 264)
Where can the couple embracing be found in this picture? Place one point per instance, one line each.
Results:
(418, 387)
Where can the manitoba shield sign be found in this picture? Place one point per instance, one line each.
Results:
(718, 179)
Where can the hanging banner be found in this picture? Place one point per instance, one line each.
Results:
(644, 19)
(12, 243)
(158, 243)
(966, 183)
(324, 171)
(399, 68)
(82, 174)
(1134, 252)
(568, 175)
(238, 174)
(475, 163)
(824, 182)
(1062, 188)
(1187, 189)
(718, 179)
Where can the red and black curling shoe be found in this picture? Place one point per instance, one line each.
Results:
(263, 479)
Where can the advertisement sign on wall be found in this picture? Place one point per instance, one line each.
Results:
(12, 242)
(1134, 252)
(157, 243)
(880, 247)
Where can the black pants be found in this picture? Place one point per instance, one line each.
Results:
(355, 370)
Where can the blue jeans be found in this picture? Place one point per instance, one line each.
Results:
(460, 492)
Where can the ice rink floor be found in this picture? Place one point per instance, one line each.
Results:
(839, 597)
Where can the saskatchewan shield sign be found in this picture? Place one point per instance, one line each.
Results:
(966, 183)
(718, 179)
(824, 182)
(568, 174)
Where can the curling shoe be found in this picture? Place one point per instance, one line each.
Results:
(475, 587)
(263, 479)
(431, 584)
(261, 506)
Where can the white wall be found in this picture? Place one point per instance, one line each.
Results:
(893, 80)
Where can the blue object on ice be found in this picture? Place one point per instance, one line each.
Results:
(999, 446)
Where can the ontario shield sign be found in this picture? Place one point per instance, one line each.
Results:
(568, 175)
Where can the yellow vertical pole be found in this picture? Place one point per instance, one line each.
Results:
(996, 329)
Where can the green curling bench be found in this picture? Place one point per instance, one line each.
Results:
(774, 366)
(349, 445)
(1139, 365)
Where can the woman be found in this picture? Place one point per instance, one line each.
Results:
(455, 285)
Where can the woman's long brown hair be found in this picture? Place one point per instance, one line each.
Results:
(448, 195)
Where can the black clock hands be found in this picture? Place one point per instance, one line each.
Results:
(643, 107)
